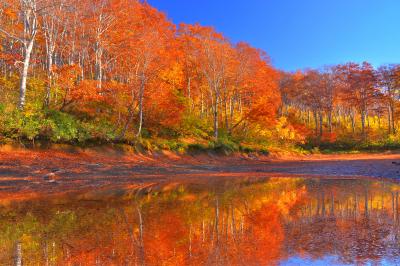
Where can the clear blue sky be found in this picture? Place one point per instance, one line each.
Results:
(301, 33)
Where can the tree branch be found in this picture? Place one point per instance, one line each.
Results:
(12, 36)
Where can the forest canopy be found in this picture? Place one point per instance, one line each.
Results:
(121, 71)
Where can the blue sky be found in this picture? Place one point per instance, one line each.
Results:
(301, 33)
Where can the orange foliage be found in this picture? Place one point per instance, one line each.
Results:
(125, 60)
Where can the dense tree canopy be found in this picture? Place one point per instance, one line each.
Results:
(120, 70)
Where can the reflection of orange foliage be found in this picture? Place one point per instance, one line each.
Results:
(163, 240)
(291, 199)
(265, 243)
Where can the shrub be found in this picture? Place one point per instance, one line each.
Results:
(225, 146)
(63, 127)
(25, 125)
(197, 147)
(99, 130)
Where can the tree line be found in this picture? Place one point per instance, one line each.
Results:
(350, 96)
(124, 65)
(124, 60)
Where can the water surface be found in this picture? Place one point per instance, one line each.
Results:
(227, 221)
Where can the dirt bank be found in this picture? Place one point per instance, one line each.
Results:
(29, 173)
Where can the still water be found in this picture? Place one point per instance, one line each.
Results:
(237, 221)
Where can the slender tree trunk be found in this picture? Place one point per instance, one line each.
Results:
(389, 120)
(226, 113)
(363, 125)
(320, 124)
(99, 65)
(202, 105)
(215, 114)
(49, 77)
(379, 121)
(392, 123)
(231, 113)
(353, 121)
(189, 86)
(216, 123)
(141, 96)
(316, 122)
(366, 203)
(24, 74)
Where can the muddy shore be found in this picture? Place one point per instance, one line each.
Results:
(30, 173)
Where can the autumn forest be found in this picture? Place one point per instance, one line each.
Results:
(128, 137)
(120, 71)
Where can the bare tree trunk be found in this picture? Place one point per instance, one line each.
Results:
(49, 77)
(393, 119)
(202, 105)
(30, 21)
(189, 88)
(141, 96)
(215, 116)
(363, 125)
(316, 122)
(366, 212)
(99, 64)
(330, 121)
(320, 124)
(353, 121)
(24, 75)
(392, 128)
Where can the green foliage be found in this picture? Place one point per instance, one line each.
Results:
(194, 126)
(100, 130)
(62, 127)
(54, 126)
(225, 146)
(26, 125)
(351, 146)
(172, 145)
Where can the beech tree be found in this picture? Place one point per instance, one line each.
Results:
(360, 89)
(19, 21)
(389, 80)
(212, 51)
(54, 28)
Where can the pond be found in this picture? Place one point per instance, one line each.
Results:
(226, 221)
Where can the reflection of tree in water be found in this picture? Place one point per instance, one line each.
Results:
(231, 222)
(362, 224)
